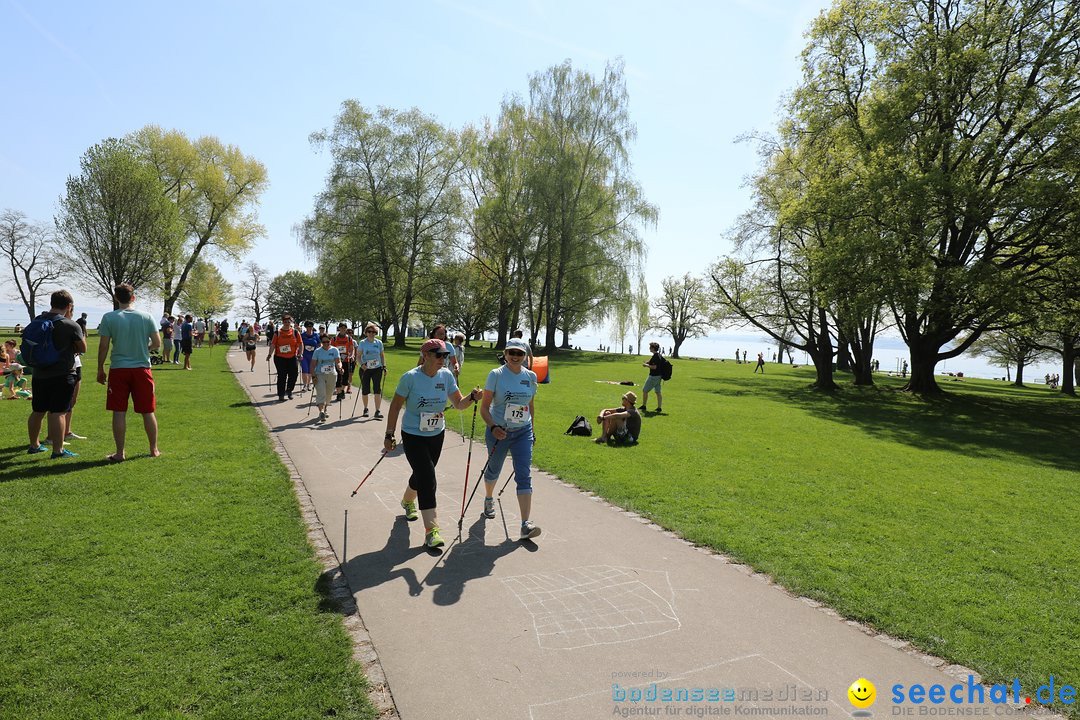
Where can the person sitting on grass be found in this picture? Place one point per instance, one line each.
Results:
(15, 384)
(621, 424)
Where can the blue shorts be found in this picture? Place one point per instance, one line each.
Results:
(305, 364)
(652, 383)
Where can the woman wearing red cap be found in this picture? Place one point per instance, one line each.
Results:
(424, 391)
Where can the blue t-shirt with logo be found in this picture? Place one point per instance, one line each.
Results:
(424, 397)
(325, 360)
(310, 342)
(370, 350)
(514, 389)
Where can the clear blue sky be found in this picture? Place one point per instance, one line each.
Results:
(263, 76)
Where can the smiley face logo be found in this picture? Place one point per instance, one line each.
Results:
(862, 693)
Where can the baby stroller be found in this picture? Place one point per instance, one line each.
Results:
(155, 358)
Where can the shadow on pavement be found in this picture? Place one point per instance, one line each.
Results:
(471, 559)
(380, 566)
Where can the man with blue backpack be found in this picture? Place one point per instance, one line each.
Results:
(49, 344)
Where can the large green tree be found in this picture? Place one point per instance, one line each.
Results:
(588, 208)
(215, 188)
(294, 292)
(681, 310)
(391, 198)
(206, 292)
(499, 219)
(962, 115)
(772, 280)
(115, 223)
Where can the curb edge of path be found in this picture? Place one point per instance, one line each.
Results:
(364, 652)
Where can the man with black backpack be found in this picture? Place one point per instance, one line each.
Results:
(49, 346)
(656, 371)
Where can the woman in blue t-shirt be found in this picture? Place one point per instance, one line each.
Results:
(507, 408)
(372, 361)
(423, 391)
(309, 341)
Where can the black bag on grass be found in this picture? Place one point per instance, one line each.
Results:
(580, 426)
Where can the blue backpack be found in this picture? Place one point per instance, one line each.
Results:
(37, 348)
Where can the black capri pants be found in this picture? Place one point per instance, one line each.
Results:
(345, 376)
(423, 455)
(368, 378)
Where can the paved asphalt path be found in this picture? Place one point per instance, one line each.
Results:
(602, 603)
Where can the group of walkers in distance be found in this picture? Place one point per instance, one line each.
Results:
(1052, 381)
(325, 364)
(52, 348)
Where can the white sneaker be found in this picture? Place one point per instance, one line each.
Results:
(73, 436)
(529, 530)
(489, 508)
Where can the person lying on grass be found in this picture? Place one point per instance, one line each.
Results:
(621, 424)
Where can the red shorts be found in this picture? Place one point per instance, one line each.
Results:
(135, 382)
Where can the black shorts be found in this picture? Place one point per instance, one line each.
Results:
(185, 346)
(52, 395)
(370, 376)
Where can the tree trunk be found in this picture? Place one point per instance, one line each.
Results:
(1076, 370)
(862, 355)
(675, 348)
(1068, 360)
(1019, 372)
(565, 339)
(923, 362)
(822, 353)
(843, 359)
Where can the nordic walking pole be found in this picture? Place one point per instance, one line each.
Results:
(507, 482)
(461, 424)
(353, 413)
(311, 399)
(477, 484)
(381, 456)
(468, 461)
(345, 541)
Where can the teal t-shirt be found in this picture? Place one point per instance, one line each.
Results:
(370, 352)
(324, 360)
(425, 400)
(129, 332)
(511, 395)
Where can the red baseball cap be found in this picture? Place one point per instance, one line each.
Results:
(434, 345)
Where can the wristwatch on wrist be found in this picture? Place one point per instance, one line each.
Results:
(389, 436)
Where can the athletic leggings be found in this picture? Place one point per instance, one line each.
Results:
(344, 378)
(423, 455)
(287, 370)
(369, 377)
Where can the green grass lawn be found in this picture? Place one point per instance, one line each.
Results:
(184, 586)
(176, 587)
(951, 523)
